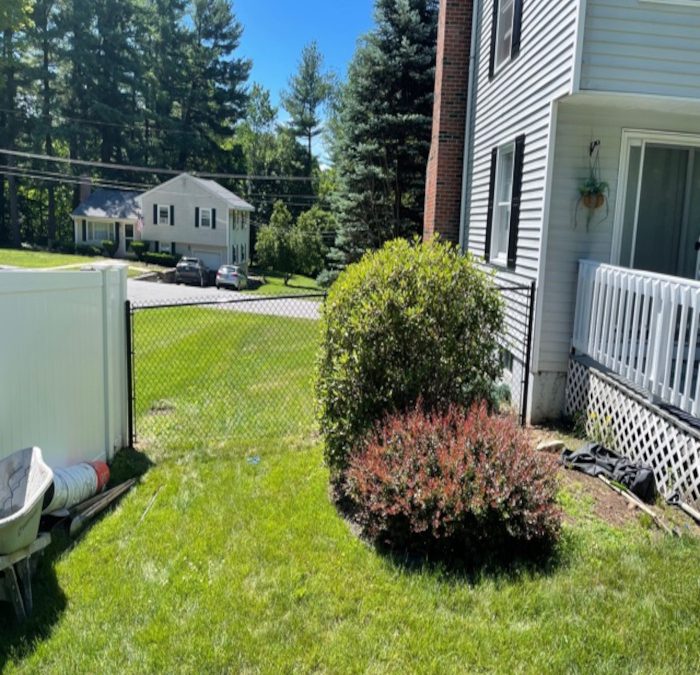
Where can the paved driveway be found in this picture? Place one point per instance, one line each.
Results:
(151, 293)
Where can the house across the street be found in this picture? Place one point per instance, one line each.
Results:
(185, 216)
(108, 215)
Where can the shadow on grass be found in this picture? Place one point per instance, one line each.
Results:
(17, 641)
(508, 560)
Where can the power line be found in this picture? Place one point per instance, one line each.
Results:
(144, 169)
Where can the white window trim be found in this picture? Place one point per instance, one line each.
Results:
(202, 211)
(167, 208)
(499, 65)
(635, 138)
(133, 232)
(496, 257)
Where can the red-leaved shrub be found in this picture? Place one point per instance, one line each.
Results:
(454, 482)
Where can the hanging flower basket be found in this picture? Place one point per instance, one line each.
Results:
(593, 200)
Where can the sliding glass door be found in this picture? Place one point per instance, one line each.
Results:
(661, 217)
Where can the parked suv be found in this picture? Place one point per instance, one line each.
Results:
(191, 271)
(231, 276)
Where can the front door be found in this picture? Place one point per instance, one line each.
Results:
(661, 224)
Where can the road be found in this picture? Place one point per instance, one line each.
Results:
(148, 293)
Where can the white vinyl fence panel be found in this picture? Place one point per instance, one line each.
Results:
(63, 383)
(644, 327)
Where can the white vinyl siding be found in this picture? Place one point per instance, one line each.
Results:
(569, 241)
(642, 46)
(517, 102)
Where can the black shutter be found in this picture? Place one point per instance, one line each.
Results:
(172, 215)
(515, 200)
(517, 25)
(172, 247)
(157, 246)
(489, 214)
(213, 219)
(84, 230)
(155, 214)
(196, 216)
(494, 28)
(116, 234)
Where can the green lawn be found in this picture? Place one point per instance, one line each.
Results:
(243, 565)
(18, 258)
(274, 285)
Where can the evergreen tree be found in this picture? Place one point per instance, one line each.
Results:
(382, 129)
(308, 90)
(216, 98)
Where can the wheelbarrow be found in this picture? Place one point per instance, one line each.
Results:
(24, 479)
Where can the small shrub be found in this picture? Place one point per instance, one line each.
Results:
(456, 482)
(88, 250)
(163, 259)
(139, 249)
(109, 248)
(409, 321)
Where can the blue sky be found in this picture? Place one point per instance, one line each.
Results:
(274, 32)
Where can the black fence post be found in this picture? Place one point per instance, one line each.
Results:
(528, 351)
(129, 372)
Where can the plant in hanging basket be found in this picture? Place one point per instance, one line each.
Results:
(593, 191)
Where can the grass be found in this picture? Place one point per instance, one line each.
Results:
(38, 259)
(243, 565)
(274, 285)
(46, 259)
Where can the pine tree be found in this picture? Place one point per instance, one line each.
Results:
(382, 129)
(215, 100)
(308, 90)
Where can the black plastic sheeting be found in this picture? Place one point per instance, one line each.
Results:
(596, 460)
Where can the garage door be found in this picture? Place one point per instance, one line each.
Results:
(210, 259)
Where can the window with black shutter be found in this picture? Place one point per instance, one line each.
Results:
(505, 188)
(506, 27)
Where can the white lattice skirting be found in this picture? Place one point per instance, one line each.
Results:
(636, 427)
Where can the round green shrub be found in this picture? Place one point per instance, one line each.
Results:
(407, 322)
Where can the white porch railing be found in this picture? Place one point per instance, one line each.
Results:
(644, 327)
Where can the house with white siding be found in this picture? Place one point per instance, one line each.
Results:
(548, 91)
(191, 216)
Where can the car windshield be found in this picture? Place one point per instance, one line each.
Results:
(227, 269)
(188, 261)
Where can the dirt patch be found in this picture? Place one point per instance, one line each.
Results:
(605, 503)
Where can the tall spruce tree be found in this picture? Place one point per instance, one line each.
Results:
(382, 129)
(308, 90)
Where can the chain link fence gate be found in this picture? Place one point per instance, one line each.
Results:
(216, 370)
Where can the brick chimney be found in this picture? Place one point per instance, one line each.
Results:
(443, 191)
(85, 187)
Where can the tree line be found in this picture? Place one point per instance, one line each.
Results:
(162, 84)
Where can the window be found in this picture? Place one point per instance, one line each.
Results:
(243, 253)
(128, 232)
(505, 33)
(503, 216)
(163, 215)
(502, 204)
(97, 231)
(233, 256)
(205, 217)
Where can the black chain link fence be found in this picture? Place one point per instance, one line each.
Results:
(216, 370)
(242, 367)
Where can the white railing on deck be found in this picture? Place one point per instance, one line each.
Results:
(644, 327)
